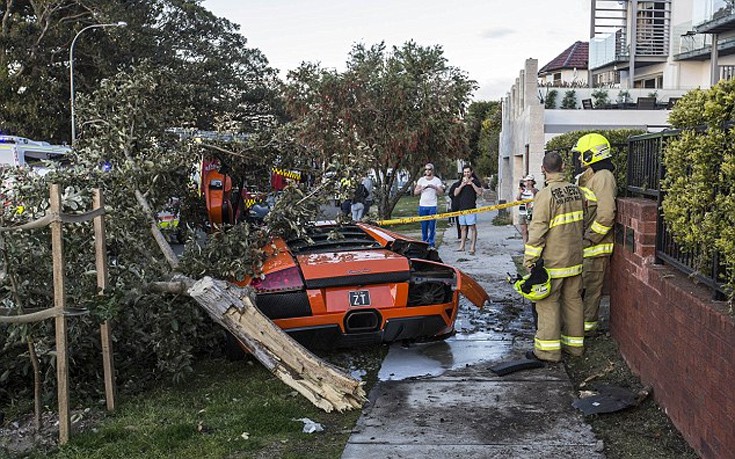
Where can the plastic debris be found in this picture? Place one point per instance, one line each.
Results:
(607, 399)
(310, 426)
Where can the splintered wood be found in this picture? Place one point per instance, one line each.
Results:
(325, 385)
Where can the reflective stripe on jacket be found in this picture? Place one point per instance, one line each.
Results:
(555, 233)
(599, 189)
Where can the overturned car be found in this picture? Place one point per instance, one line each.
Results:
(358, 284)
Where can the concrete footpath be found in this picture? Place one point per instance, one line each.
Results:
(441, 400)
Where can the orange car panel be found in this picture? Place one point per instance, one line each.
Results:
(352, 263)
(471, 290)
(278, 258)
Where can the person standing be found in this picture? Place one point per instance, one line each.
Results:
(599, 187)
(358, 202)
(367, 182)
(466, 194)
(430, 187)
(454, 205)
(554, 235)
(526, 190)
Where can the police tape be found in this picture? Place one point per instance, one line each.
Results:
(398, 221)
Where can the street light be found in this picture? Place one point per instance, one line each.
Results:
(71, 68)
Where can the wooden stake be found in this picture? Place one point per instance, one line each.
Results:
(62, 364)
(100, 245)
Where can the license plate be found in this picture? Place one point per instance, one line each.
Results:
(360, 298)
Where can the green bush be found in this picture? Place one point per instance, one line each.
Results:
(550, 101)
(699, 205)
(601, 98)
(618, 140)
(569, 102)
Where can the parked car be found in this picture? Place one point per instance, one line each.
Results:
(358, 284)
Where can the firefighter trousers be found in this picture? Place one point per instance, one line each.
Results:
(593, 276)
(560, 320)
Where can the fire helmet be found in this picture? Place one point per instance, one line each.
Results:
(535, 290)
(592, 148)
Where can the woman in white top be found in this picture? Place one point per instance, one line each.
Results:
(526, 190)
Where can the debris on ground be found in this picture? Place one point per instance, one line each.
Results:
(607, 398)
(310, 426)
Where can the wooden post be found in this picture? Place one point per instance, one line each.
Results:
(62, 363)
(100, 245)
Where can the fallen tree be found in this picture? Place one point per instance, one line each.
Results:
(325, 385)
(155, 329)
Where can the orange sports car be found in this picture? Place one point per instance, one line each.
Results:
(359, 284)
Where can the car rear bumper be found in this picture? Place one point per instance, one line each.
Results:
(398, 329)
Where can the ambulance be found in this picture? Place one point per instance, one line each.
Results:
(19, 151)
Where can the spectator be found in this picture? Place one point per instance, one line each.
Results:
(430, 187)
(526, 190)
(455, 205)
(466, 194)
(358, 202)
(367, 182)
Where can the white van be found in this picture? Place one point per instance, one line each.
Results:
(19, 151)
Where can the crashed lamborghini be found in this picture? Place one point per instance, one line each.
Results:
(350, 285)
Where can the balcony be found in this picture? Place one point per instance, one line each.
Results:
(608, 49)
(720, 18)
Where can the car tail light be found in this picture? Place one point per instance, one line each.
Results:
(286, 280)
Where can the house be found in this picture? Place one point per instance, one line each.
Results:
(636, 70)
(567, 69)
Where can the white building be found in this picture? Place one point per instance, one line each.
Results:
(643, 55)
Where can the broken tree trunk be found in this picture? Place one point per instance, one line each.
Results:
(325, 385)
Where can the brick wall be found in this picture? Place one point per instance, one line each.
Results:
(673, 335)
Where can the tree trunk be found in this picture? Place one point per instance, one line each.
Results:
(323, 384)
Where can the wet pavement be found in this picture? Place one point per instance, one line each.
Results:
(441, 399)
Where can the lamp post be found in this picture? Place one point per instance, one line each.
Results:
(71, 68)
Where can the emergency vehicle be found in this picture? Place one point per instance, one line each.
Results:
(19, 151)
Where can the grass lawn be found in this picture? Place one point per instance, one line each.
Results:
(408, 206)
(225, 409)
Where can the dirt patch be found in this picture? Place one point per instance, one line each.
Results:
(641, 431)
(20, 437)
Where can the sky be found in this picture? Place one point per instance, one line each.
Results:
(488, 39)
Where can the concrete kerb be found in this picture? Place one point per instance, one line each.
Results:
(441, 400)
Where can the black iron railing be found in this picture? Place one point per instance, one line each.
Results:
(645, 173)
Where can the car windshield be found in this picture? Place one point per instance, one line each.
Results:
(333, 239)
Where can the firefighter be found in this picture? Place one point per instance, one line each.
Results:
(555, 235)
(597, 183)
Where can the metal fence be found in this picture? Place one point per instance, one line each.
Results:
(645, 173)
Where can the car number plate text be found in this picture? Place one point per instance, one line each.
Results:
(360, 298)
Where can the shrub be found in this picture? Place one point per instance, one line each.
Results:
(601, 98)
(550, 101)
(570, 100)
(618, 140)
(699, 204)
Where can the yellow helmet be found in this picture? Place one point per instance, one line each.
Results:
(536, 291)
(592, 148)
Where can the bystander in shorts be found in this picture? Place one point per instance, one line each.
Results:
(467, 220)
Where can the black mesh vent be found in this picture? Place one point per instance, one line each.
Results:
(284, 305)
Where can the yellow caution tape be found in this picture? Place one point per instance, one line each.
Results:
(294, 175)
(398, 221)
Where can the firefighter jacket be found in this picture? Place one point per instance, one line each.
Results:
(599, 189)
(555, 233)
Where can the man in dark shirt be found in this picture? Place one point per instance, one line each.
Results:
(466, 195)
